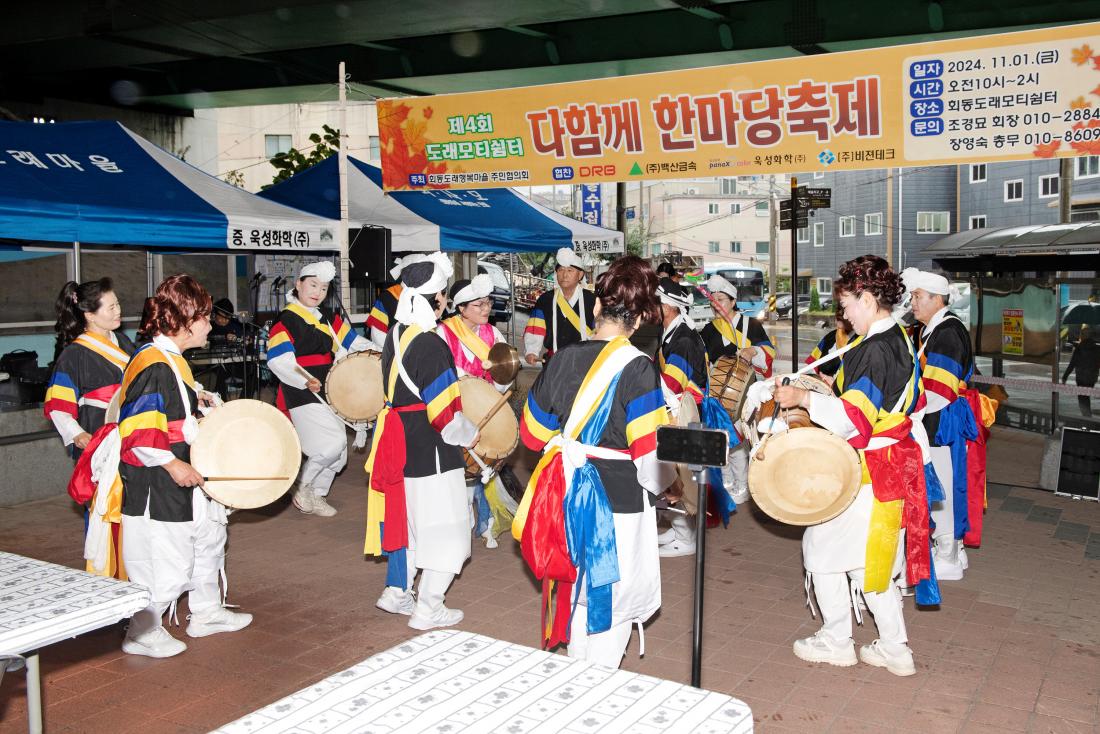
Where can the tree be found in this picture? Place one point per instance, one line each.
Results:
(815, 299)
(234, 177)
(637, 238)
(293, 161)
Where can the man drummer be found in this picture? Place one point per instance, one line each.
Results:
(861, 550)
(301, 348)
(946, 363)
(561, 316)
(417, 503)
(732, 334)
(469, 335)
(682, 360)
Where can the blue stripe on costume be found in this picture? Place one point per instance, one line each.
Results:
(549, 421)
(944, 363)
(439, 384)
(868, 388)
(644, 404)
(60, 378)
(590, 527)
(280, 349)
(145, 403)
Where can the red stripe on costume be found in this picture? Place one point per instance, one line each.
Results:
(672, 383)
(447, 415)
(642, 446)
(535, 330)
(104, 393)
(280, 328)
(768, 356)
(374, 323)
(859, 420)
(148, 438)
(945, 391)
(63, 406)
(528, 439)
(696, 393)
(315, 360)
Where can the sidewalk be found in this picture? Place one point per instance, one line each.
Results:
(1015, 647)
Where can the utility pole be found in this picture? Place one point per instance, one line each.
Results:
(620, 208)
(342, 173)
(796, 210)
(1065, 213)
(773, 246)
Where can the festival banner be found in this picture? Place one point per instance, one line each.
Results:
(1012, 96)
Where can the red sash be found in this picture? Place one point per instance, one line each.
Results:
(388, 476)
(975, 472)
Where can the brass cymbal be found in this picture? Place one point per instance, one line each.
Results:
(505, 363)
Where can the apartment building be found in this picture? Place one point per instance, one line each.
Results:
(1025, 192)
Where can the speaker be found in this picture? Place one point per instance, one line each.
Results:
(369, 254)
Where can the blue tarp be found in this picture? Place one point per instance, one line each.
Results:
(487, 220)
(99, 183)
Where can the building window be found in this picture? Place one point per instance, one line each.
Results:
(735, 247)
(712, 248)
(847, 226)
(656, 248)
(977, 172)
(819, 174)
(762, 209)
(819, 234)
(374, 153)
(1048, 186)
(762, 247)
(803, 234)
(712, 208)
(276, 144)
(872, 223)
(729, 186)
(977, 221)
(932, 222)
(735, 208)
(824, 285)
(1014, 190)
(1087, 166)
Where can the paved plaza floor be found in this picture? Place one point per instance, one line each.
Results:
(1014, 647)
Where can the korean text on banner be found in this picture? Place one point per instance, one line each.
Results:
(1013, 96)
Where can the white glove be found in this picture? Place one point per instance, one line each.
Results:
(360, 437)
(759, 393)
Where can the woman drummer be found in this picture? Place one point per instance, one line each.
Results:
(596, 408)
(301, 348)
(91, 356)
(877, 388)
(733, 334)
(469, 336)
(417, 507)
(175, 535)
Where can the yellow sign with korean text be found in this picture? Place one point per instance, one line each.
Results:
(1009, 96)
(1012, 331)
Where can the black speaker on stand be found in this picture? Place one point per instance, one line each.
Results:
(369, 256)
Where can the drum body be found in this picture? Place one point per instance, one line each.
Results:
(247, 438)
(500, 436)
(805, 477)
(759, 421)
(354, 387)
(730, 378)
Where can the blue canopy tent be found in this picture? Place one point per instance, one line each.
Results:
(488, 220)
(99, 183)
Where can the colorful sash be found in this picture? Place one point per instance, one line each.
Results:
(306, 315)
(457, 335)
(728, 333)
(564, 522)
(104, 348)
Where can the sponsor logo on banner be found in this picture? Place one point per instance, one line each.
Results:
(1012, 96)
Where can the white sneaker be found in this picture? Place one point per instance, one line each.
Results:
(666, 537)
(820, 648)
(397, 601)
(218, 619)
(898, 661)
(675, 549)
(963, 560)
(947, 569)
(443, 618)
(322, 507)
(156, 643)
(303, 498)
(740, 495)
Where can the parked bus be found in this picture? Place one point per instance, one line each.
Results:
(749, 282)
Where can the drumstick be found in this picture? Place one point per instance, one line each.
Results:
(493, 411)
(756, 452)
(243, 479)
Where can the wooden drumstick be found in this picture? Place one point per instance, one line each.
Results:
(758, 452)
(244, 479)
(493, 411)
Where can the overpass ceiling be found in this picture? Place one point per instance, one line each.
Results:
(185, 54)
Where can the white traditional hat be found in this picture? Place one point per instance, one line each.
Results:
(926, 281)
(427, 275)
(480, 287)
(717, 284)
(322, 270)
(567, 258)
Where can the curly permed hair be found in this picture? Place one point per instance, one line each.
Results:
(872, 274)
(179, 302)
(627, 291)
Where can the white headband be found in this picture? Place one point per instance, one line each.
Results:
(322, 270)
(717, 284)
(566, 257)
(412, 306)
(926, 281)
(480, 287)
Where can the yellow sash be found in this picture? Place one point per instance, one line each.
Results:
(469, 339)
(725, 328)
(568, 312)
(150, 356)
(104, 348)
(376, 501)
(315, 322)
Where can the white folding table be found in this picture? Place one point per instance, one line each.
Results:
(43, 603)
(453, 681)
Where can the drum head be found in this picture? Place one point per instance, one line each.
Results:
(500, 436)
(354, 387)
(247, 438)
(805, 477)
(113, 407)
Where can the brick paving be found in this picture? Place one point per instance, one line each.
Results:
(1015, 646)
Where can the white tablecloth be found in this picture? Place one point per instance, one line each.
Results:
(453, 681)
(43, 603)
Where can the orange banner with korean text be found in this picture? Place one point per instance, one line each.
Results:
(1009, 96)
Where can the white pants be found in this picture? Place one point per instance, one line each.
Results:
(170, 558)
(735, 474)
(943, 513)
(834, 601)
(603, 648)
(324, 443)
(684, 527)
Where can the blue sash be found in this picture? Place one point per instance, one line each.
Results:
(957, 425)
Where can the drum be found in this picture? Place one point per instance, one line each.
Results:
(247, 438)
(730, 378)
(500, 436)
(354, 387)
(113, 407)
(759, 421)
(805, 477)
(689, 413)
